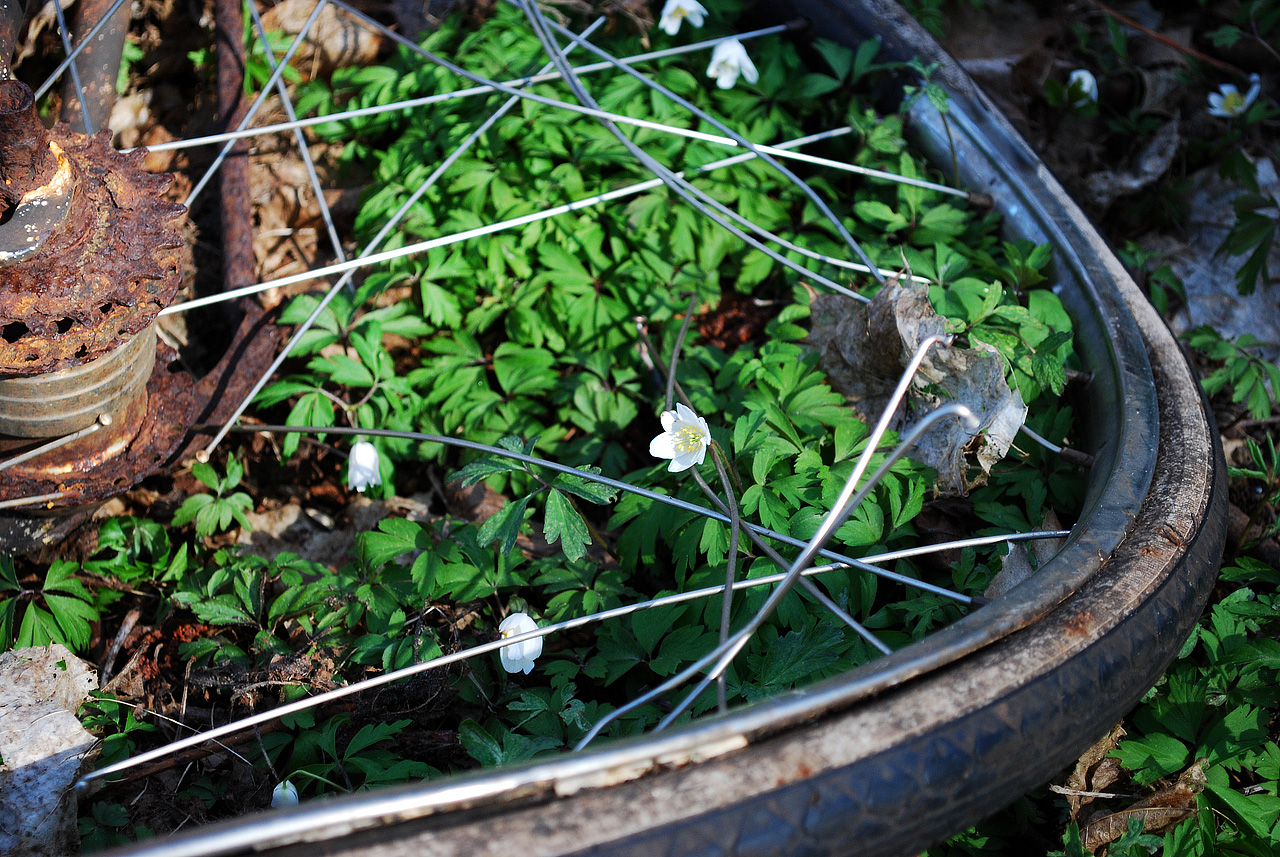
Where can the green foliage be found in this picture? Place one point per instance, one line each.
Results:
(1244, 373)
(1254, 234)
(1253, 20)
(1266, 472)
(1214, 704)
(59, 610)
(135, 550)
(107, 825)
(335, 755)
(562, 520)
(525, 339)
(131, 55)
(116, 724)
(1034, 335)
(257, 68)
(214, 513)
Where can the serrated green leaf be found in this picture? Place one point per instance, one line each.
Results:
(563, 523)
(504, 526)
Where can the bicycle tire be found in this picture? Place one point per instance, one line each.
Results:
(897, 755)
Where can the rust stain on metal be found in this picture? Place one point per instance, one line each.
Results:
(1080, 625)
(174, 401)
(25, 161)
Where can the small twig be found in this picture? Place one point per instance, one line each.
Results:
(1063, 790)
(130, 619)
(675, 351)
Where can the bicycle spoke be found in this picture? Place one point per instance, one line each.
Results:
(73, 53)
(411, 103)
(303, 150)
(258, 101)
(447, 240)
(64, 32)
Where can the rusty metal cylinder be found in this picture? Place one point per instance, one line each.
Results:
(59, 403)
(25, 160)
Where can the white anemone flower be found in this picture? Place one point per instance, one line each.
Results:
(684, 439)
(1082, 88)
(676, 11)
(519, 657)
(1228, 103)
(362, 467)
(284, 795)
(728, 60)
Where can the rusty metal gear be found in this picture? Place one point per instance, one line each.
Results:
(75, 287)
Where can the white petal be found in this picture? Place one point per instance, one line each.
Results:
(662, 446)
(363, 467)
(700, 455)
(680, 463)
(285, 794)
(519, 657)
(668, 419)
(509, 662)
(1255, 87)
(685, 413)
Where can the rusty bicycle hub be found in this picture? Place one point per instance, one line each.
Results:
(89, 255)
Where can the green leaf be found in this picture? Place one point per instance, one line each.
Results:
(191, 507)
(592, 492)
(484, 468)
(682, 646)
(312, 409)
(1152, 756)
(206, 474)
(564, 524)
(505, 525)
(394, 538)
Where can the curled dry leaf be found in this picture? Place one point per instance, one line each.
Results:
(864, 348)
(1092, 772)
(1159, 812)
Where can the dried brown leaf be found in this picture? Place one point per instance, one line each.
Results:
(864, 349)
(1082, 778)
(1159, 812)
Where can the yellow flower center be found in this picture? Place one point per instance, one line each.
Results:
(688, 438)
(679, 12)
(1233, 102)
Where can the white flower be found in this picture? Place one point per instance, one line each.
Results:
(729, 60)
(676, 11)
(362, 466)
(684, 439)
(1228, 103)
(1082, 88)
(519, 657)
(284, 795)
